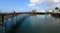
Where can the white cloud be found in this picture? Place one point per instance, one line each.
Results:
(47, 3)
(58, 5)
(52, 3)
(31, 5)
(34, 2)
(56, 1)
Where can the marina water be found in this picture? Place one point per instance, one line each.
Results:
(38, 23)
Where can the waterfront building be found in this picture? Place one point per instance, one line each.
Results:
(56, 10)
(34, 11)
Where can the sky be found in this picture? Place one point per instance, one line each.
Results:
(28, 5)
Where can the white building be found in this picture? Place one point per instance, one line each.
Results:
(56, 10)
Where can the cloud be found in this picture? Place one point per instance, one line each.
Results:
(49, 4)
(31, 5)
(34, 2)
(58, 5)
(52, 3)
(56, 1)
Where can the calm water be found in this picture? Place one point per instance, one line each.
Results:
(36, 24)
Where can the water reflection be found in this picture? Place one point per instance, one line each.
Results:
(34, 24)
(40, 24)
